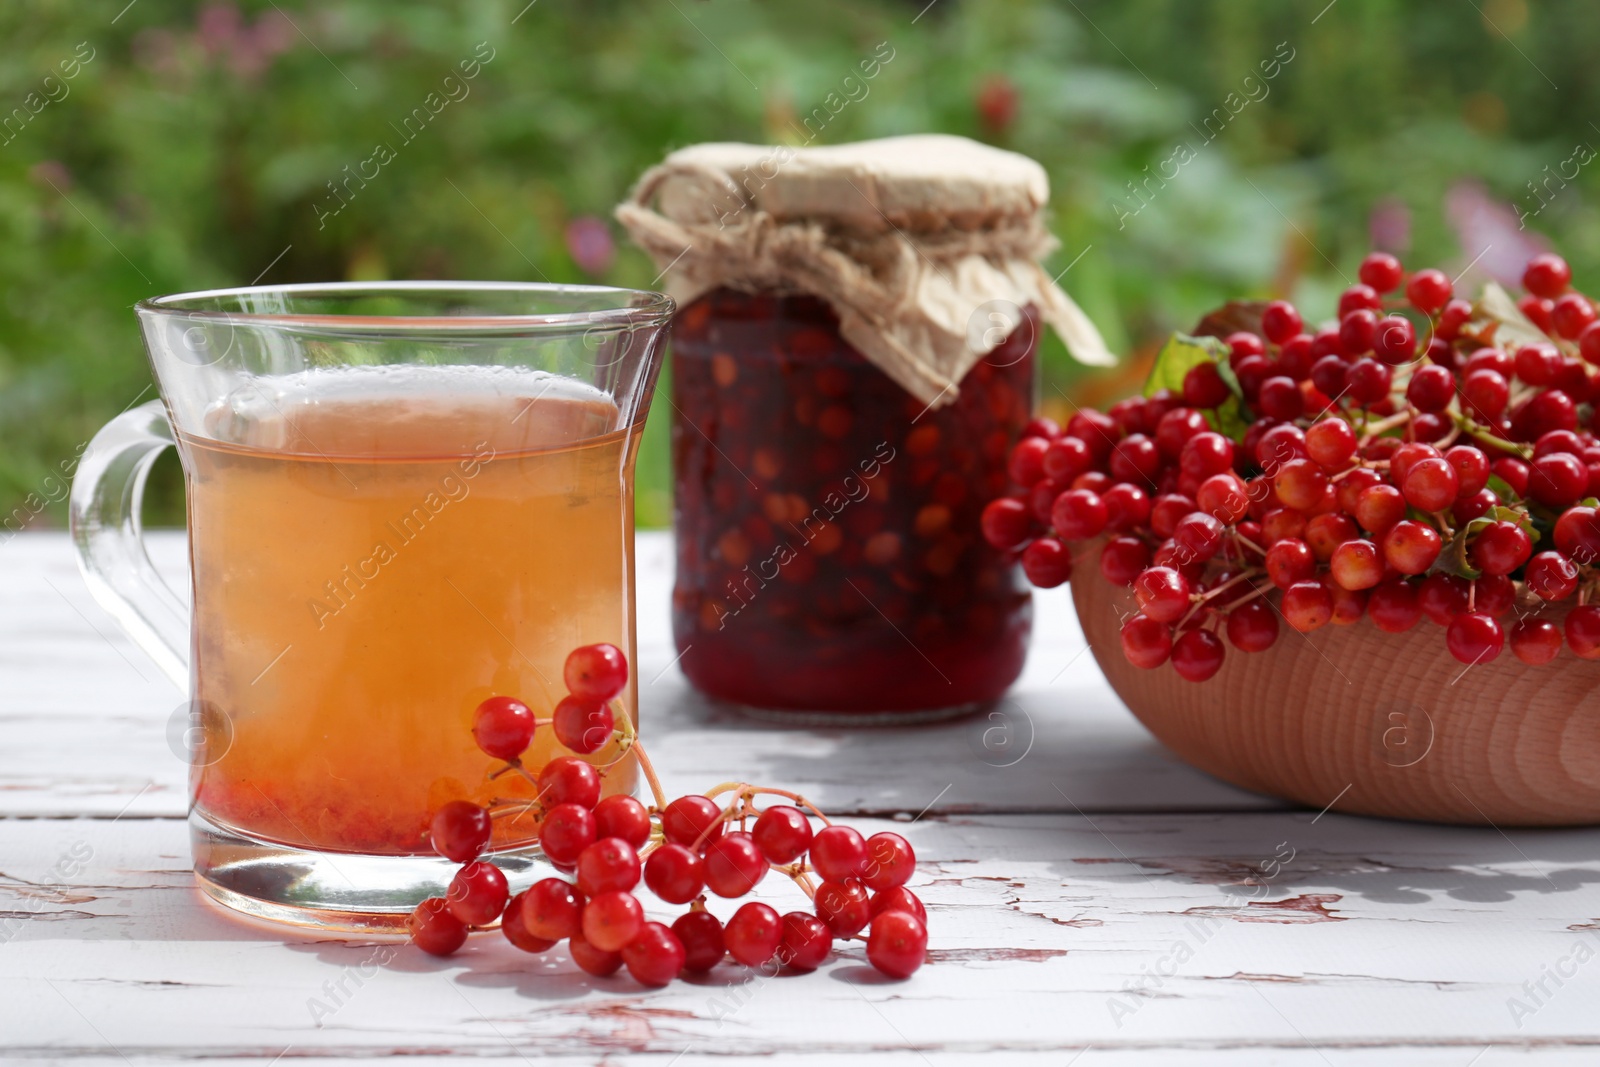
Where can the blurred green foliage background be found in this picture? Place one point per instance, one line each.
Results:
(192, 146)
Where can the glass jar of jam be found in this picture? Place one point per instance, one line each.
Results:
(829, 559)
(853, 359)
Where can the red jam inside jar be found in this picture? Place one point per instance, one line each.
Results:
(829, 554)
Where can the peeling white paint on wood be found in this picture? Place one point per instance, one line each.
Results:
(1094, 895)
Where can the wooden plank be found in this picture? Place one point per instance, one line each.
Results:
(86, 719)
(1139, 936)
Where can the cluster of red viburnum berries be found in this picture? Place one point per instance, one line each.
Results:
(1421, 456)
(721, 843)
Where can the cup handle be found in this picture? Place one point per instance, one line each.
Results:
(108, 534)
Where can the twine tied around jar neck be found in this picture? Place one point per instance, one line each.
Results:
(923, 299)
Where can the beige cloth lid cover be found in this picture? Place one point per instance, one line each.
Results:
(927, 247)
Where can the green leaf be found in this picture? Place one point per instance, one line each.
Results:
(1502, 489)
(1513, 329)
(1181, 354)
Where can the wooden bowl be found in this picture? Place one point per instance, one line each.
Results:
(1370, 723)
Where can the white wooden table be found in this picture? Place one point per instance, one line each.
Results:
(1091, 900)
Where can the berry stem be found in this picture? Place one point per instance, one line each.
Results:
(1484, 437)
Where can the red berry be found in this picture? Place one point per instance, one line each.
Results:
(1537, 309)
(1431, 484)
(1006, 523)
(1047, 563)
(1205, 454)
(1381, 271)
(1357, 331)
(567, 830)
(753, 934)
(1328, 374)
(783, 833)
(1145, 642)
(674, 873)
(1577, 534)
(624, 817)
(1253, 626)
(1494, 594)
(612, 919)
(807, 941)
(1535, 641)
(503, 727)
(1122, 560)
(898, 944)
(1243, 344)
(1589, 343)
(1410, 547)
(734, 865)
(1485, 393)
(1078, 515)
(1513, 472)
(700, 933)
(1127, 507)
(1474, 638)
(1357, 297)
(460, 830)
(1280, 398)
(1456, 314)
(516, 933)
(1039, 426)
(1307, 605)
(692, 821)
(1442, 597)
(1348, 604)
(1571, 315)
(596, 672)
(1395, 341)
(1407, 454)
(1280, 321)
(478, 893)
(838, 853)
(1203, 387)
(1027, 460)
(1331, 443)
(569, 780)
(1547, 275)
(898, 899)
(552, 909)
(1366, 382)
(1582, 630)
(1558, 480)
(1326, 532)
(1552, 576)
(1224, 496)
(1393, 606)
(1168, 510)
(1500, 548)
(1197, 655)
(1431, 388)
(1357, 565)
(609, 865)
(1067, 457)
(583, 726)
(1289, 561)
(891, 861)
(591, 960)
(1163, 595)
(1198, 536)
(655, 956)
(434, 929)
(1471, 467)
(1428, 290)
(843, 906)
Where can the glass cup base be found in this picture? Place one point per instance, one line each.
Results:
(916, 717)
(331, 890)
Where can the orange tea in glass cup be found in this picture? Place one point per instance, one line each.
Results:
(402, 500)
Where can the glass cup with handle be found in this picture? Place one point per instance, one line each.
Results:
(403, 498)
